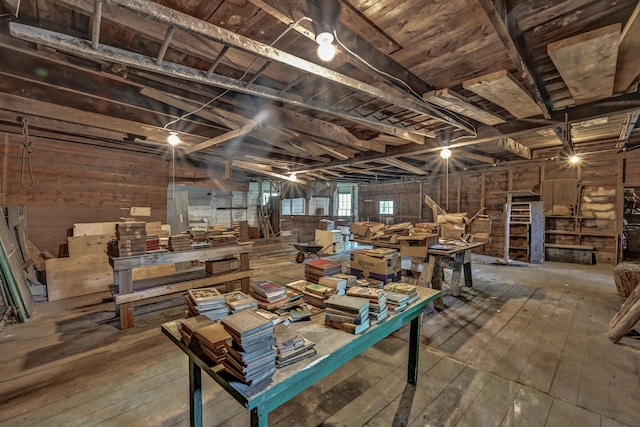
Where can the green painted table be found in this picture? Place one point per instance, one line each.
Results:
(334, 347)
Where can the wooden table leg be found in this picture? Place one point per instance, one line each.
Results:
(195, 394)
(259, 417)
(123, 283)
(244, 266)
(468, 281)
(436, 282)
(455, 274)
(427, 271)
(414, 350)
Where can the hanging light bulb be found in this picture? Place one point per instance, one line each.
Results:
(574, 159)
(292, 176)
(326, 49)
(445, 153)
(173, 139)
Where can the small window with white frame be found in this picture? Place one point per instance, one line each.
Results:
(386, 207)
(344, 204)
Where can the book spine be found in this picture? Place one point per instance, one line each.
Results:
(342, 318)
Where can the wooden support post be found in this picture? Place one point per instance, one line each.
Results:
(244, 266)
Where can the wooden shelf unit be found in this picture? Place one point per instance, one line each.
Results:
(524, 233)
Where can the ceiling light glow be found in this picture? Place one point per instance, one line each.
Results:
(173, 139)
(445, 153)
(326, 52)
(574, 159)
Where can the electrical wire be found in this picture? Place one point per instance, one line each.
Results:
(27, 149)
(246, 71)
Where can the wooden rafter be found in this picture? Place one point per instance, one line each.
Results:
(224, 137)
(405, 166)
(632, 119)
(515, 147)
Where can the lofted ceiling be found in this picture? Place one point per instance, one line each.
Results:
(241, 83)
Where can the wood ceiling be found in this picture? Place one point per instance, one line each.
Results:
(496, 81)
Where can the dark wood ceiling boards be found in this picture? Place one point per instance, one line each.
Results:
(412, 77)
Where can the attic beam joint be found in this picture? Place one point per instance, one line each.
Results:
(495, 13)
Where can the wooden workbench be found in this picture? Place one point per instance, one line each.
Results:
(125, 293)
(455, 256)
(334, 348)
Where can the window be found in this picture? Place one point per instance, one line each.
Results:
(293, 206)
(266, 197)
(344, 204)
(386, 207)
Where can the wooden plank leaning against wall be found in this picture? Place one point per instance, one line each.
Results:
(600, 176)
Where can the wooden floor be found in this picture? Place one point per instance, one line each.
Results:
(527, 346)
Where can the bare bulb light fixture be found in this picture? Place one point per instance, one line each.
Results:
(445, 153)
(326, 49)
(324, 17)
(173, 139)
(574, 159)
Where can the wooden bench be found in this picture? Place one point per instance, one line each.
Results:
(575, 254)
(126, 293)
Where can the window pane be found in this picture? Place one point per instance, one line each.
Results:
(386, 207)
(344, 204)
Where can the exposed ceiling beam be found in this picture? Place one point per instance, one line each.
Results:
(406, 166)
(621, 104)
(104, 53)
(224, 137)
(628, 66)
(253, 168)
(515, 147)
(192, 25)
(497, 20)
(632, 119)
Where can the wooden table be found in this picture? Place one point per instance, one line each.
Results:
(458, 258)
(125, 294)
(334, 347)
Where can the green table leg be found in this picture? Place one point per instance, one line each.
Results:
(195, 394)
(259, 417)
(414, 351)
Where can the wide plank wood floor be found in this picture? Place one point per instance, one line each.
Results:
(526, 346)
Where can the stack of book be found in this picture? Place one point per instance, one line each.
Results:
(411, 291)
(153, 242)
(316, 294)
(190, 325)
(198, 234)
(238, 301)
(350, 278)
(251, 356)
(396, 302)
(378, 311)
(206, 301)
(269, 295)
(130, 240)
(179, 242)
(348, 313)
(314, 270)
(369, 282)
(213, 340)
(338, 284)
(292, 347)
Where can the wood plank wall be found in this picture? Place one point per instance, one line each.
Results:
(76, 183)
(602, 176)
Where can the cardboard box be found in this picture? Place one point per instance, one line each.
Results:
(222, 265)
(366, 229)
(383, 265)
(417, 245)
(326, 224)
(385, 278)
(452, 231)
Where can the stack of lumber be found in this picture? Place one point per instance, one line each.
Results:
(241, 229)
(87, 270)
(627, 317)
(626, 277)
(14, 290)
(153, 242)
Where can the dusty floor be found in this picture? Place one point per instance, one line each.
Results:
(526, 346)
